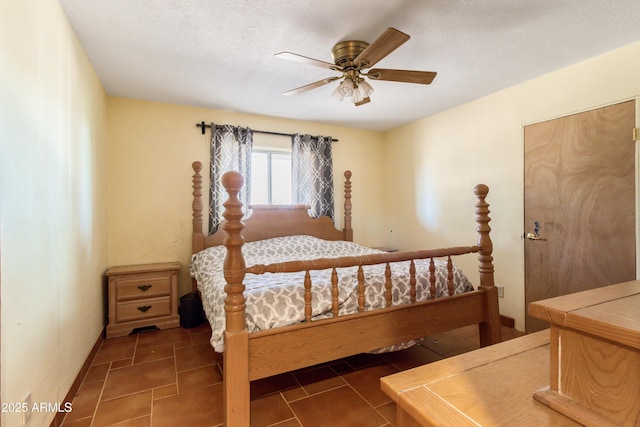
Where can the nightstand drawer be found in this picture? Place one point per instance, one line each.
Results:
(143, 309)
(137, 286)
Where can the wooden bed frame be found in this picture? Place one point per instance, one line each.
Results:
(255, 355)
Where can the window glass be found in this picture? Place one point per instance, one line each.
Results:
(280, 178)
(259, 178)
(270, 177)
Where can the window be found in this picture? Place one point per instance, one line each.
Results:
(270, 177)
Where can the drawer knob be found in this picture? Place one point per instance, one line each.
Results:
(144, 288)
(144, 308)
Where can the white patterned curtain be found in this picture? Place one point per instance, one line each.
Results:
(230, 150)
(312, 173)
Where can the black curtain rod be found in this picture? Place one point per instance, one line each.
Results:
(204, 126)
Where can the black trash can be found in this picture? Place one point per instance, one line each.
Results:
(191, 312)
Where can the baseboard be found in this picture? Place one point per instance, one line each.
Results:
(57, 420)
(507, 322)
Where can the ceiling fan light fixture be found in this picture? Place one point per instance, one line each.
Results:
(344, 90)
(357, 96)
(357, 91)
(337, 94)
(365, 88)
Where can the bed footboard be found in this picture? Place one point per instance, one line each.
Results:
(257, 355)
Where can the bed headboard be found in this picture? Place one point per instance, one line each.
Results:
(267, 221)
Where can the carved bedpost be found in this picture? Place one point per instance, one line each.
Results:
(348, 231)
(196, 206)
(484, 241)
(490, 330)
(236, 353)
(234, 303)
(197, 238)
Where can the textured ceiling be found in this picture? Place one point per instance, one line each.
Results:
(220, 53)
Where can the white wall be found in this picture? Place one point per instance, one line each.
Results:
(52, 208)
(435, 162)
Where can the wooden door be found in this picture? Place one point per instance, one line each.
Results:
(579, 203)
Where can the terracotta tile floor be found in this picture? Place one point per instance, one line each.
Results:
(173, 378)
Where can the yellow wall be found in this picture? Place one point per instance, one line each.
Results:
(52, 211)
(439, 159)
(89, 181)
(151, 148)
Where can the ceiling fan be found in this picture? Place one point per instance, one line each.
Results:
(351, 58)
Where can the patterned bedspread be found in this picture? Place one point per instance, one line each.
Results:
(277, 299)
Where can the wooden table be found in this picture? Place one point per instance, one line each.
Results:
(595, 355)
(584, 370)
(492, 386)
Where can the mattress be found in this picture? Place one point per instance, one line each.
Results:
(277, 299)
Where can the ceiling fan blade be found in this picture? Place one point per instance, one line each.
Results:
(306, 60)
(388, 41)
(407, 76)
(311, 86)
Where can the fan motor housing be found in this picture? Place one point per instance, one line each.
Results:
(345, 52)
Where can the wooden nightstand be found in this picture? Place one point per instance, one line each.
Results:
(142, 295)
